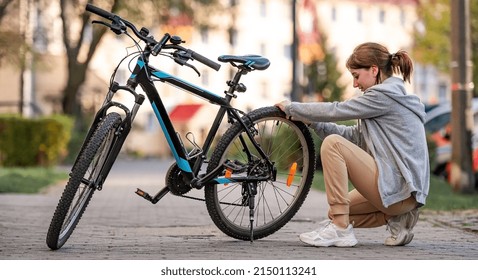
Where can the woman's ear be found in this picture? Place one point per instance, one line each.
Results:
(374, 70)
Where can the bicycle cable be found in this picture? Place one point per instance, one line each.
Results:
(140, 52)
(202, 199)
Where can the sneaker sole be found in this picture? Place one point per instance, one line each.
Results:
(403, 241)
(329, 243)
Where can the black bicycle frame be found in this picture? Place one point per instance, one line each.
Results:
(142, 75)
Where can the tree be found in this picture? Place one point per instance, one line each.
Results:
(323, 76)
(432, 34)
(10, 39)
(16, 40)
(73, 12)
(3, 7)
(474, 42)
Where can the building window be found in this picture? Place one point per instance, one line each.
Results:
(264, 89)
(205, 77)
(381, 16)
(288, 51)
(334, 14)
(424, 89)
(151, 123)
(442, 92)
(232, 36)
(359, 14)
(403, 17)
(263, 49)
(204, 35)
(263, 8)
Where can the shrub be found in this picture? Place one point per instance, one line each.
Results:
(31, 142)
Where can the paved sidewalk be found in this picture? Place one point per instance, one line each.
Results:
(120, 225)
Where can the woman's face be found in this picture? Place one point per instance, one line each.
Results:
(364, 77)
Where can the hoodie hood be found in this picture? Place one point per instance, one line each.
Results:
(394, 88)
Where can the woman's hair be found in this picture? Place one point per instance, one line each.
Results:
(367, 54)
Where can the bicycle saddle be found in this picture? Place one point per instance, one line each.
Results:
(256, 62)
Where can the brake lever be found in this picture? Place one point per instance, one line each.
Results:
(193, 67)
(101, 22)
(116, 26)
(184, 63)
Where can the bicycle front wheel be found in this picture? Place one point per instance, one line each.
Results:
(289, 145)
(84, 179)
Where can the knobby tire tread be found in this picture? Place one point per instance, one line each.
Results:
(111, 121)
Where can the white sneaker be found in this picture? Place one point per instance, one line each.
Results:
(330, 235)
(401, 228)
(320, 227)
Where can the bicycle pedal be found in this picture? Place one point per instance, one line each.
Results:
(236, 166)
(150, 198)
(144, 195)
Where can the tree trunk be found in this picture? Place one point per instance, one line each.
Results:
(77, 70)
(71, 92)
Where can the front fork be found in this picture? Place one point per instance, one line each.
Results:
(122, 131)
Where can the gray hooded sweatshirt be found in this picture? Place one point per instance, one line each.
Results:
(390, 129)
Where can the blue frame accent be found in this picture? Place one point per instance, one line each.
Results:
(163, 75)
(139, 63)
(183, 164)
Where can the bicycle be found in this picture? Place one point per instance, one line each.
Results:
(257, 176)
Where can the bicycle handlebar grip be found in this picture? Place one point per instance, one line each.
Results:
(99, 11)
(206, 61)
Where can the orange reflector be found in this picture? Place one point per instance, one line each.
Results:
(292, 170)
(228, 175)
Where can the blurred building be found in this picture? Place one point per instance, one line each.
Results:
(261, 27)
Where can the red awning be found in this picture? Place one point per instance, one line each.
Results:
(184, 112)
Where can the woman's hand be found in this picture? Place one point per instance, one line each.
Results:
(281, 105)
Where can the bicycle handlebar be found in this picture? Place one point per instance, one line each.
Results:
(99, 11)
(156, 46)
(206, 61)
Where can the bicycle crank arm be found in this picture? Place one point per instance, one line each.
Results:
(151, 199)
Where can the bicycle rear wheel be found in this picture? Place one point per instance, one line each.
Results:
(85, 178)
(289, 145)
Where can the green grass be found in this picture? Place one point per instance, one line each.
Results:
(441, 195)
(28, 180)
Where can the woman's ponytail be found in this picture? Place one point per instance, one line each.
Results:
(401, 63)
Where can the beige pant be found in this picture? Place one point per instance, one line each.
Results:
(342, 160)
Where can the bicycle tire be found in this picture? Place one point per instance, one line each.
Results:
(285, 142)
(77, 194)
